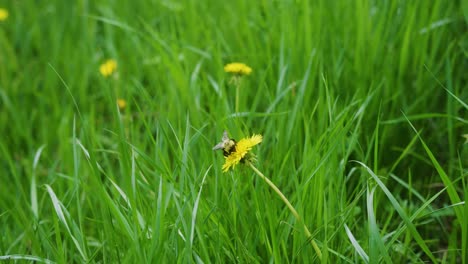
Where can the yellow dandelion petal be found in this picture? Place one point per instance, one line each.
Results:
(122, 104)
(238, 68)
(232, 160)
(108, 67)
(242, 149)
(3, 14)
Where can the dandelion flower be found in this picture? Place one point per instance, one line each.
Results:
(241, 152)
(108, 67)
(122, 104)
(237, 68)
(3, 14)
(236, 152)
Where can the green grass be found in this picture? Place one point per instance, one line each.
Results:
(362, 106)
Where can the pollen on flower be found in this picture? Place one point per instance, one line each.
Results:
(241, 153)
(237, 68)
(122, 104)
(3, 14)
(108, 67)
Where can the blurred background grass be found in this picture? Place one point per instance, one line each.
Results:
(332, 82)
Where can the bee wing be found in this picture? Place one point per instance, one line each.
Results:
(225, 136)
(219, 146)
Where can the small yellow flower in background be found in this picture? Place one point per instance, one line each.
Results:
(241, 152)
(3, 14)
(122, 104)
(108, 67)
(237, 68)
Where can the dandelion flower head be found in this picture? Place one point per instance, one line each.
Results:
(237, 68)
(108, 67)
(3, 14)
(241, 152)
(121, 103)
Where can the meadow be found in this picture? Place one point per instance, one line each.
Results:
(109, 112)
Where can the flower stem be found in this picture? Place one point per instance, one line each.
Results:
(291, 208)
(237, 96)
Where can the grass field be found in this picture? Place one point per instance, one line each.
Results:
(362, 105)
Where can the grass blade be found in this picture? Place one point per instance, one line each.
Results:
(401, 212)
(376, 243)
(356, 245)
(61, 214)
(34, 206)
(454, 198)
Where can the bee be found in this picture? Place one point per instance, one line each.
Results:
(228, 145)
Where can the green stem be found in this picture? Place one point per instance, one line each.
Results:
(237, 95)
(291, 208)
